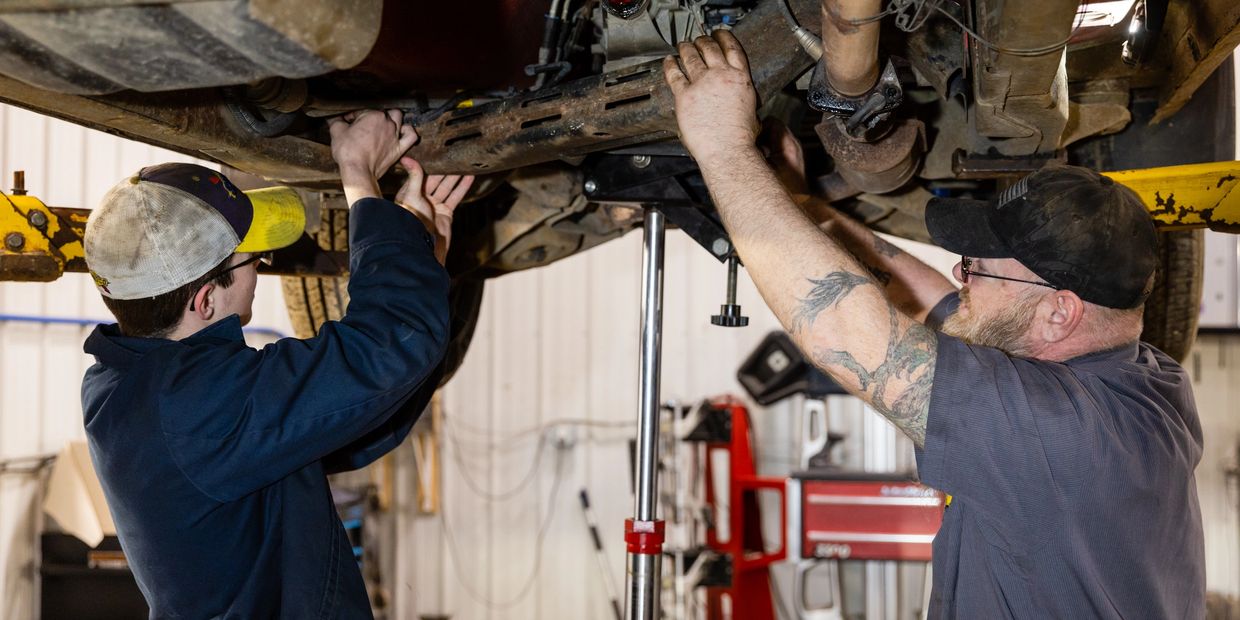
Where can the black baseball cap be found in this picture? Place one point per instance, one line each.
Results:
(1076, 229)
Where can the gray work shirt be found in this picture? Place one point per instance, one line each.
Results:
(1072, 486)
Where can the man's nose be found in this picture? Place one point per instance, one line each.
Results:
(957, 273)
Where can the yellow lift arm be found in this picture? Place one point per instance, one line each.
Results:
(38, 243)
(1190, 196)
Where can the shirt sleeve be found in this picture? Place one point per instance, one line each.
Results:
(388, 435)
(258, 416)
(1009, 433)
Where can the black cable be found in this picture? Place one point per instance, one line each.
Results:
(450, 538)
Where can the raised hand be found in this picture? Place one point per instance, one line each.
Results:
(433, 199)
(715, 100)
(365, 144)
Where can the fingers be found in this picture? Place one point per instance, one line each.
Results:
(440, 193)
(711, 53)
(458, 194)
(691, 61)
(407, 136)
(432, 183)
(674, 77)
(732, 50)
(415, 170)
(721, 50)
(336, 126)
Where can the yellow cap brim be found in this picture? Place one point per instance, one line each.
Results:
(279, 220)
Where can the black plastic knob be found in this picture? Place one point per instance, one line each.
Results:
(729, 316)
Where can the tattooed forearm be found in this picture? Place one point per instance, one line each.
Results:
(826, 293)
(884, 277)
(886, 248)
(908, 368)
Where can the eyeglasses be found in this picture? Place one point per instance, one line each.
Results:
(264, 257)
(966, 272)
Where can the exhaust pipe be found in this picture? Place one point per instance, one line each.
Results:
(871, 152)
(850, 51)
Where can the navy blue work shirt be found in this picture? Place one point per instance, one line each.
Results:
(213, 455)
(1072, 485)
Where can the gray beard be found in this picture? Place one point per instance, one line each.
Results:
(1006, 331)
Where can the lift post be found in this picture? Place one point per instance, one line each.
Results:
(644, 532)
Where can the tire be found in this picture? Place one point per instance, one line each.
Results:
(1174, 306)
(312, 301)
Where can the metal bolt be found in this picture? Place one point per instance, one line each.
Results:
(641, 161)
(720, 246)
(591, 186)
(14, 241)
(38, 219)
(19, 183)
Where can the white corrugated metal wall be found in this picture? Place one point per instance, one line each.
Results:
(554, 344)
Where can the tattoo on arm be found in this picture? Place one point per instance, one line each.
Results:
(886, 248)
(827, 292)
(909, 360)
(884, 277)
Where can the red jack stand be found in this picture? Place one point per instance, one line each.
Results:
(750, 592)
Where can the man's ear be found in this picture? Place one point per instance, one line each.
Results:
(202, 304)
(1065, 315)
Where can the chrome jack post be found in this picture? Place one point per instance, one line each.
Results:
(644, 532)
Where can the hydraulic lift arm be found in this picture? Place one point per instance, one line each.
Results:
(41, 242)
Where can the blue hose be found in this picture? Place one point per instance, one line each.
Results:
(56, 320)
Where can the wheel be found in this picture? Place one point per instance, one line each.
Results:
(1204, 131)
(1174, 306)
(312, 301)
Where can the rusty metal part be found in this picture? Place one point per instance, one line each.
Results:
(1020, 102)
(937, 53)
(875, 167)
(849, 51)
(1097, 108)
(595, 113)
(278, 94)
(1197, 37)
(971, 166)
(548, 220)
(196, 123)
(627, 108)
(864, 117)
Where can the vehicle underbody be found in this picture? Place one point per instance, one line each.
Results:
(561, 108)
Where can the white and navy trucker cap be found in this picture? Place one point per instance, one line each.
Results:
(170, 224)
